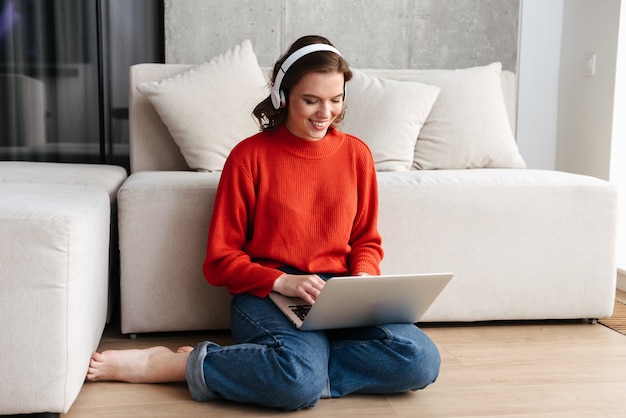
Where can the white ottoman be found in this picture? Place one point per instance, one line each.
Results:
(54, 267)
(106, 177)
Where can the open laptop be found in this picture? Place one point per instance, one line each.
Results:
(359, 301)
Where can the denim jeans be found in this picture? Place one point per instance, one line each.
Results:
(274, 364)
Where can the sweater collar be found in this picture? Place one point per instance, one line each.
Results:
(302, 148)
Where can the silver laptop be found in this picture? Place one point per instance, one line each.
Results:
(359, 301)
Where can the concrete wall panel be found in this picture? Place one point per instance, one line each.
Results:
(370, 33)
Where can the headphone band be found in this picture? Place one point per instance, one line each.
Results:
(276, 92)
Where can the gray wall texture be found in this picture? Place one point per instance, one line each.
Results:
(420, 34)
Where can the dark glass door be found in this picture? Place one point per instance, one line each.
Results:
(64, 76)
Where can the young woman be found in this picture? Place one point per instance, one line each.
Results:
(297, 204)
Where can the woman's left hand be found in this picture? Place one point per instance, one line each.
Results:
(305, 286)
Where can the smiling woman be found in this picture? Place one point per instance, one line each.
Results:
(297, 204)
(314, 104)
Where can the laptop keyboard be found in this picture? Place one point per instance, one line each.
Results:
(301, 311)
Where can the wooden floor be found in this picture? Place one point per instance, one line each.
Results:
(556, 369)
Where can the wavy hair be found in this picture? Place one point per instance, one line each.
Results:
(270, 118)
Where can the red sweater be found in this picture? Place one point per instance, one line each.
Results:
(285, 201)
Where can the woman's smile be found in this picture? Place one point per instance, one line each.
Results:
(314, 104)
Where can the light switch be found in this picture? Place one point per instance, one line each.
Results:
(590, 65)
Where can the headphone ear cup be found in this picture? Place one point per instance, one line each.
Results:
(283, 99)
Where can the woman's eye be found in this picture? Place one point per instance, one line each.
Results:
(314, 102)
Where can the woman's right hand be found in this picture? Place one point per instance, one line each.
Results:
(305, 286)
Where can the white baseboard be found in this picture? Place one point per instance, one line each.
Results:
(621, 279)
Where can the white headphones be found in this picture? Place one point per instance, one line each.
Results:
(277, 95)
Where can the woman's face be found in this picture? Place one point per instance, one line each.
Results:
(314, 104)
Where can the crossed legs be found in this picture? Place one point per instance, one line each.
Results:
(301, 366)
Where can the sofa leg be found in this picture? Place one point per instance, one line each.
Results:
(593, 321)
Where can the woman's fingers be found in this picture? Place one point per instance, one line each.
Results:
(306, 286)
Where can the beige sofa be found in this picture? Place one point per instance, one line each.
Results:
(523, 244)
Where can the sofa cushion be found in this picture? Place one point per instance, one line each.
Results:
(468, 126)
(387, 115)
(208, 109)
(514, 238)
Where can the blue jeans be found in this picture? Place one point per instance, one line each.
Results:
(274, 364)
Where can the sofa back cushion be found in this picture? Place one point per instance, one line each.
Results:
(469, 125)
(152, 147)
(207, 108)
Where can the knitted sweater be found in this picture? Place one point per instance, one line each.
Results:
(285, 201)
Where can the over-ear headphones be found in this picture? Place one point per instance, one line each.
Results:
(278, 95)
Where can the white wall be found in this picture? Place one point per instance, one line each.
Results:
(585, 114)
(538, 75)
(565, 117)
(617, 173)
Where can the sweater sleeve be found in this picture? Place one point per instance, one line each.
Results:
(226, 262)
(366, 242)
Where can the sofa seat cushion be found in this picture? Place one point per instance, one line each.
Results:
(512, 238)
(164, 220)
(486, 177)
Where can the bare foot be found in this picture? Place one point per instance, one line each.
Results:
(185, 349)
(150, 365)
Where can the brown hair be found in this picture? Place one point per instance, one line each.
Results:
(320, 61)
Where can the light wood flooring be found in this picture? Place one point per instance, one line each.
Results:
(513, 369)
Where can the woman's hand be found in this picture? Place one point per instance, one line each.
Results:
(305, 286)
